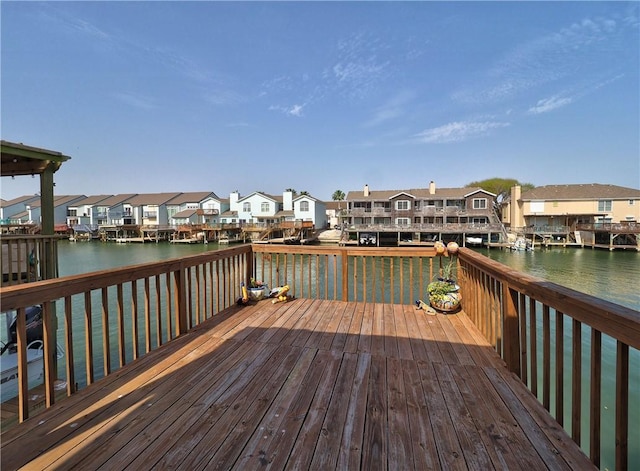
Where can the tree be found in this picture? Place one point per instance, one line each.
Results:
(304, 193)
(501, 187)
(338, 196)
(292, 191)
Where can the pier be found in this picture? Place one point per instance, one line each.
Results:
(349, 375)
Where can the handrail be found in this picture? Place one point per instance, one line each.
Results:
(150, 304)
(519, 313)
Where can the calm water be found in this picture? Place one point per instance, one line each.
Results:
(614, 276)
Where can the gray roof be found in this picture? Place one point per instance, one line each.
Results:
(192, 197)
(590, 191)
(151, 198)
(18, 200)
(92, 200)
(422, 193)
(117, 199)
(185, 214)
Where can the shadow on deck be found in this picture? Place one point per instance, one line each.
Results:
(308, 384)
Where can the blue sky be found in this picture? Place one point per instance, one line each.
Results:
(220, 96)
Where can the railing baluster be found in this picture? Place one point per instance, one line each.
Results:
(595, 381)
(576, 381)
(121, 337)
(147, 315)
(88, 337)
(68, 347)
(106, 360)
(50, 360)
(533, 351)
(559, 367)
(135, 341)
(622, 405)
(158, 295)
(546, 357)
(524, 373)
(23, 383)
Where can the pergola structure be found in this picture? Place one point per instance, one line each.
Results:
(20, 160)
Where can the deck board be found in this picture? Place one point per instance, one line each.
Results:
(308, 384)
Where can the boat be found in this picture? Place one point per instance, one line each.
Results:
(35, 355)
(521, 244)
(368, 239)
(473, 240)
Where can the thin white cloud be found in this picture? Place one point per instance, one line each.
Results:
(549, 104)
(136, 101)
(458, 131)
(544, 60)
(223, 97)
(294, 110)
(357, 69)
(392, 109)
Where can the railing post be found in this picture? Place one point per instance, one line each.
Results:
(345, 274)
(511, 330)
(180, 301)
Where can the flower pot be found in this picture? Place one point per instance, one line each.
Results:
(446, 302)
(256, 294)
(444, 295)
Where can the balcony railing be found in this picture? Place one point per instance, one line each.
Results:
(556, 340)
(28, 258)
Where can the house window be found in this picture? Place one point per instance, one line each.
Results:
(304, 206)
(246, 207)
(402, 221)
(264, 207)
(402, 205)
(479, 203)
(604, 205)
(631, 202)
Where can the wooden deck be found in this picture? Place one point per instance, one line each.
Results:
(306, 384)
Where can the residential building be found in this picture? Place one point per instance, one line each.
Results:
(570, 205)
(18, 210)
(148, 209)
(84, 212)
(111, 211)
(418, 208)
(194, 208)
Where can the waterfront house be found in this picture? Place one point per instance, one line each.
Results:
(308, 208)
(16, 211)
(148, 209)
(592, 214)
(60, 209)
(111, 211)
(82, 215)
(258, 207)
(423, 214)
(194, 208)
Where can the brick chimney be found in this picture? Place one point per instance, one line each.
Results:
(366, 191)
(432, 187)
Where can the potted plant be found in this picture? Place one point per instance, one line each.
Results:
(257, 290)
(444, 292)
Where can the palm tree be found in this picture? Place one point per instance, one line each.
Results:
(338, 196)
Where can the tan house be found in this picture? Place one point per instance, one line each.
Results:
(568, 205)
(575, 212)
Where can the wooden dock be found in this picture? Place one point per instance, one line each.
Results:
(308, 384)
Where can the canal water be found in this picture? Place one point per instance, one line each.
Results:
(614, 276)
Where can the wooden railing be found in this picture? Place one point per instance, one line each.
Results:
(558, 342)
(28, 258)
(112, 317)
(386, 275)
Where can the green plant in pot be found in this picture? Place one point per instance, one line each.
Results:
(444, 292)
